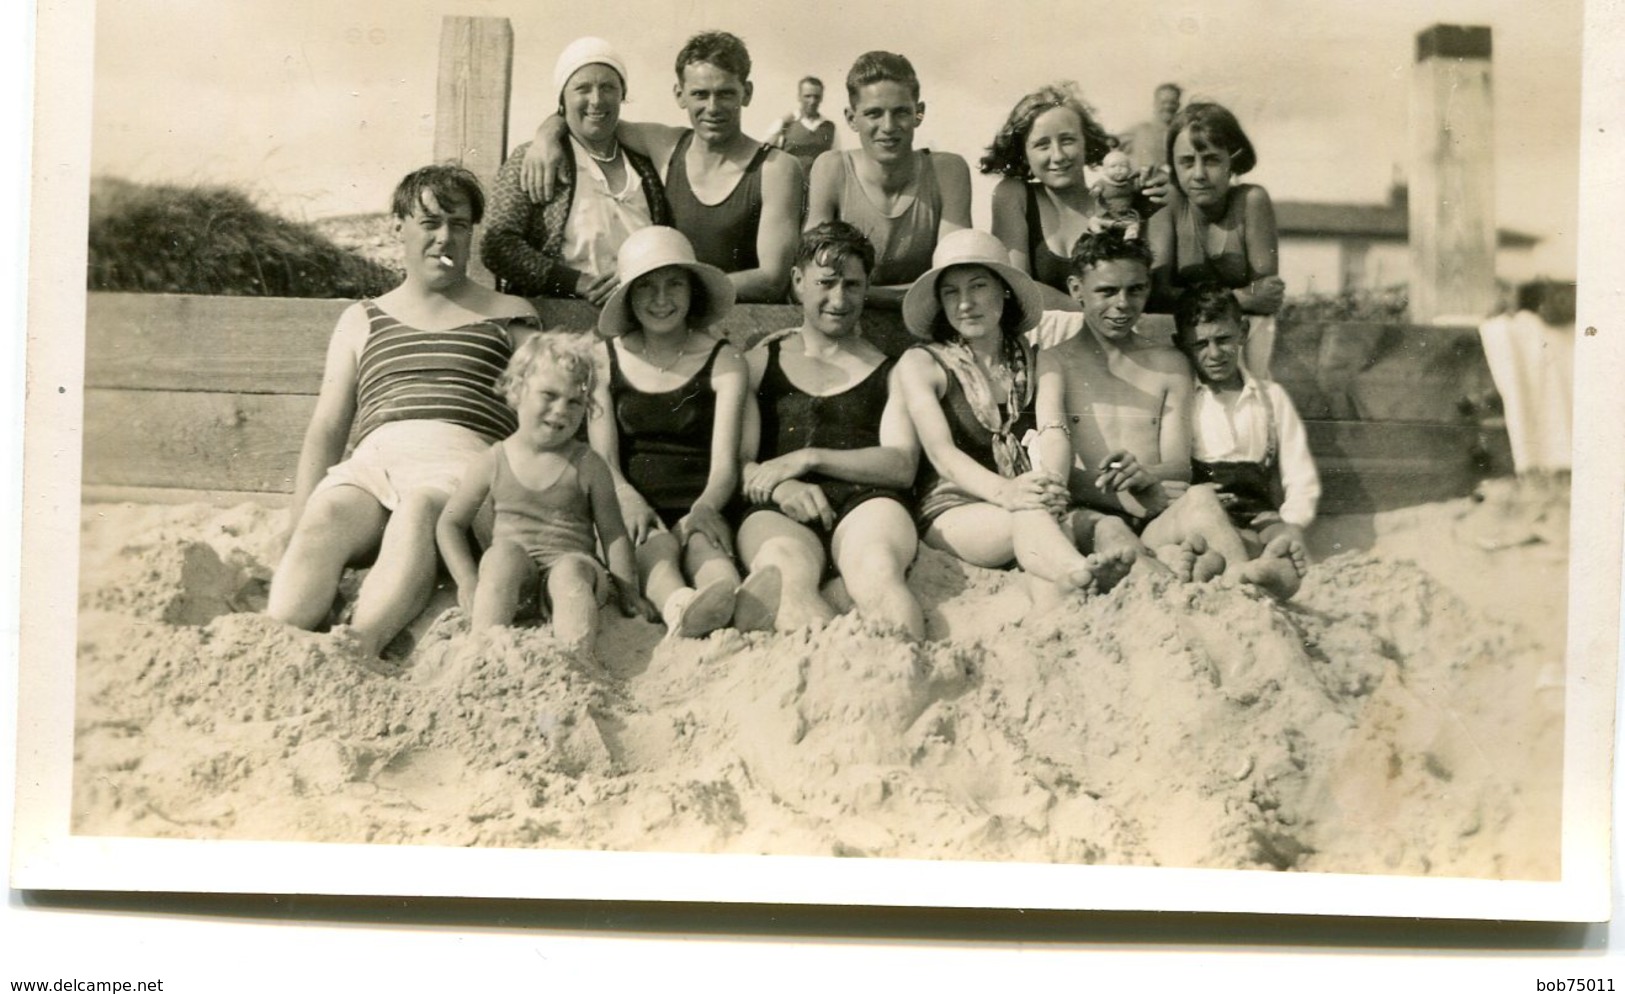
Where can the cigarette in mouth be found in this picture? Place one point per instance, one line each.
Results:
(445, 260)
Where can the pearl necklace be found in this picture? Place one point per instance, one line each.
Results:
(594, 156)
(682, 350)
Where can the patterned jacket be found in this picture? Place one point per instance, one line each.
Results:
(522, 241)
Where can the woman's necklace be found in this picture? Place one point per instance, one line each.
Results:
(682, 350)
(614, 150)
(615, 153)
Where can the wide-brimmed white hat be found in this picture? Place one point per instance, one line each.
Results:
(657, 247)
(585, 52)
(969, 247)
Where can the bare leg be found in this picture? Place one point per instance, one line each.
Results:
(873, 548)
(769, 539)
(981, 534)
(572, 593)
(658, 569)
(706, 563)
(338, 526)
(399, 585)
(506, 570)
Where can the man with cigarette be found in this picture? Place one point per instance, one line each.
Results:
(413, 374)
(1115, 408)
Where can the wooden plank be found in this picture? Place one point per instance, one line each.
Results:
(471, 103)
(1452, 175)
(202, 441)
(160, 341)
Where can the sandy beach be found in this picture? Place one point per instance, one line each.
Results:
(1402, 715)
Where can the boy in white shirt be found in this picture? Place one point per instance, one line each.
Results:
(1246, 437)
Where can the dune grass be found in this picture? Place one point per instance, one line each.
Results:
(215, 240)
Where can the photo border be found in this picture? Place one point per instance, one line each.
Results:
(47, 856)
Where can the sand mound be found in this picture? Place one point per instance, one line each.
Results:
(1391, 719)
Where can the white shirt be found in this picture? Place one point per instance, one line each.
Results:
(601, 218)
(1235, 427)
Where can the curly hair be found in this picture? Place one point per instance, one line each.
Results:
(720, 49)
(881, 67)
(1212, 126)
(568, 352)
(832, 243)
(1108, 245)
(1007, 156)
(451, 184)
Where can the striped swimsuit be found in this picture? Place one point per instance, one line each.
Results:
(407, 374)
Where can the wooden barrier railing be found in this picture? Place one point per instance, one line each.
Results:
(190, 397)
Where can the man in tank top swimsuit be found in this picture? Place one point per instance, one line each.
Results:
(413, 373)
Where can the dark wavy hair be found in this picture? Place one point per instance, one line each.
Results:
(1206, 303)
(881, 67)
(1108, 245)
(1007, 156)
(1212, 126)
(832, 243)
(719, 48)
(942, 330)
(451, 185)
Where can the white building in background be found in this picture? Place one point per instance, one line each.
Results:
(1330, 248)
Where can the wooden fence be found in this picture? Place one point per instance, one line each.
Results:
(207, 398)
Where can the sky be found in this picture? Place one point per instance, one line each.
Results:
(319, 107)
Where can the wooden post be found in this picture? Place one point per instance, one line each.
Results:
(1452, 191)
(471, 102)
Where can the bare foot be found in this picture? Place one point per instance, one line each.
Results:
(1112, 567)
(756, 604)
(1208, 565)
(1080, 579)
(1279, 569)
(1114, 542)
(1179, 559)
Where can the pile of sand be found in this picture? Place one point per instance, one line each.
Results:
(1402, 715)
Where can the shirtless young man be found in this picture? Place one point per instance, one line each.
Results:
(414, 373)
(901, 198)
(737, 200)
(1115, 407)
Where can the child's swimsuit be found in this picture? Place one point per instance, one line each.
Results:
(550, 523)
(665, 437)
(793, 419)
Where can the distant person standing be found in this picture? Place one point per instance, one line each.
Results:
(1147, 142)
(805, 134)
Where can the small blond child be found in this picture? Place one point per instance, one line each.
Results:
(555, 504)
(1247, 438)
